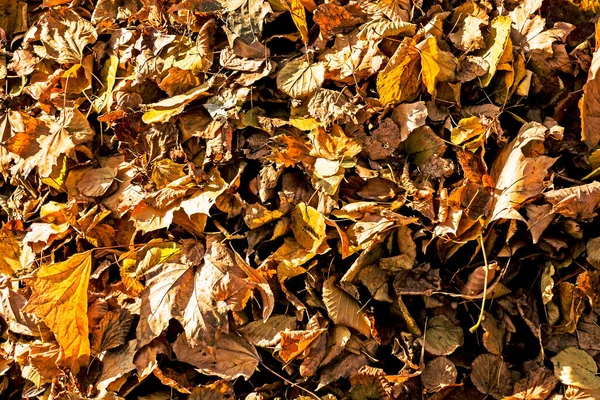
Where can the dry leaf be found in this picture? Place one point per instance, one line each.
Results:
(299, 78)
(60, 300)
(442, 337)
(576, 368)
(491, 376)
(396, 83)
(343, 309)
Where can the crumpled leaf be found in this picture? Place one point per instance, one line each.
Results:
(578, 202)
(537, 385)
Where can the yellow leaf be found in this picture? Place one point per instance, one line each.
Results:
(308, 226)
(467, 129)
(58, 176)
(299, 78)
(296, 8)
(59, 298)
(495, 44)
(398, 81)
(380, 28)
(109, 77)
(165, 109)
(437, 65)
(166, 171)
(10, 251)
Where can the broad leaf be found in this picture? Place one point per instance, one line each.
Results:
(59, 298)
(300, 78)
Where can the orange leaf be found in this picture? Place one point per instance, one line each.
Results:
(60, 299)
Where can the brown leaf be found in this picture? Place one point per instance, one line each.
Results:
(537, 385)
(438, 373)
(520, 170)
(577, 201)
(232, 356)
(491, 376)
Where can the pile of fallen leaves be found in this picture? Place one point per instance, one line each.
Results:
(297, 199)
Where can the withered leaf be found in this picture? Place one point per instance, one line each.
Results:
(232, 357)
(438, 373)
(442, 337)
(343, 309)
(490, 375)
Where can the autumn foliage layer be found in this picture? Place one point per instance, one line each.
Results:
(299, 199)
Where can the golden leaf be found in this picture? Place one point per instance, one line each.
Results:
(398, 81)
(495, 44)
(437, 65)
(59, 298)
(165, 109)
(296, 8)
(309, 227)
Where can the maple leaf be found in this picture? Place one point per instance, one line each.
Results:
(59, 298)
(64, 35)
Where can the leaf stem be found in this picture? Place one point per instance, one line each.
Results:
(485, 285)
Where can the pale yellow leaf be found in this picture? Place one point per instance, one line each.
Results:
(299, 78)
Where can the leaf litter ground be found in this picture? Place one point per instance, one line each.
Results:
(264, 199)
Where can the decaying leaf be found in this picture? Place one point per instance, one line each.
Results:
(438, 373)
(442, 337)
(490, 376)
